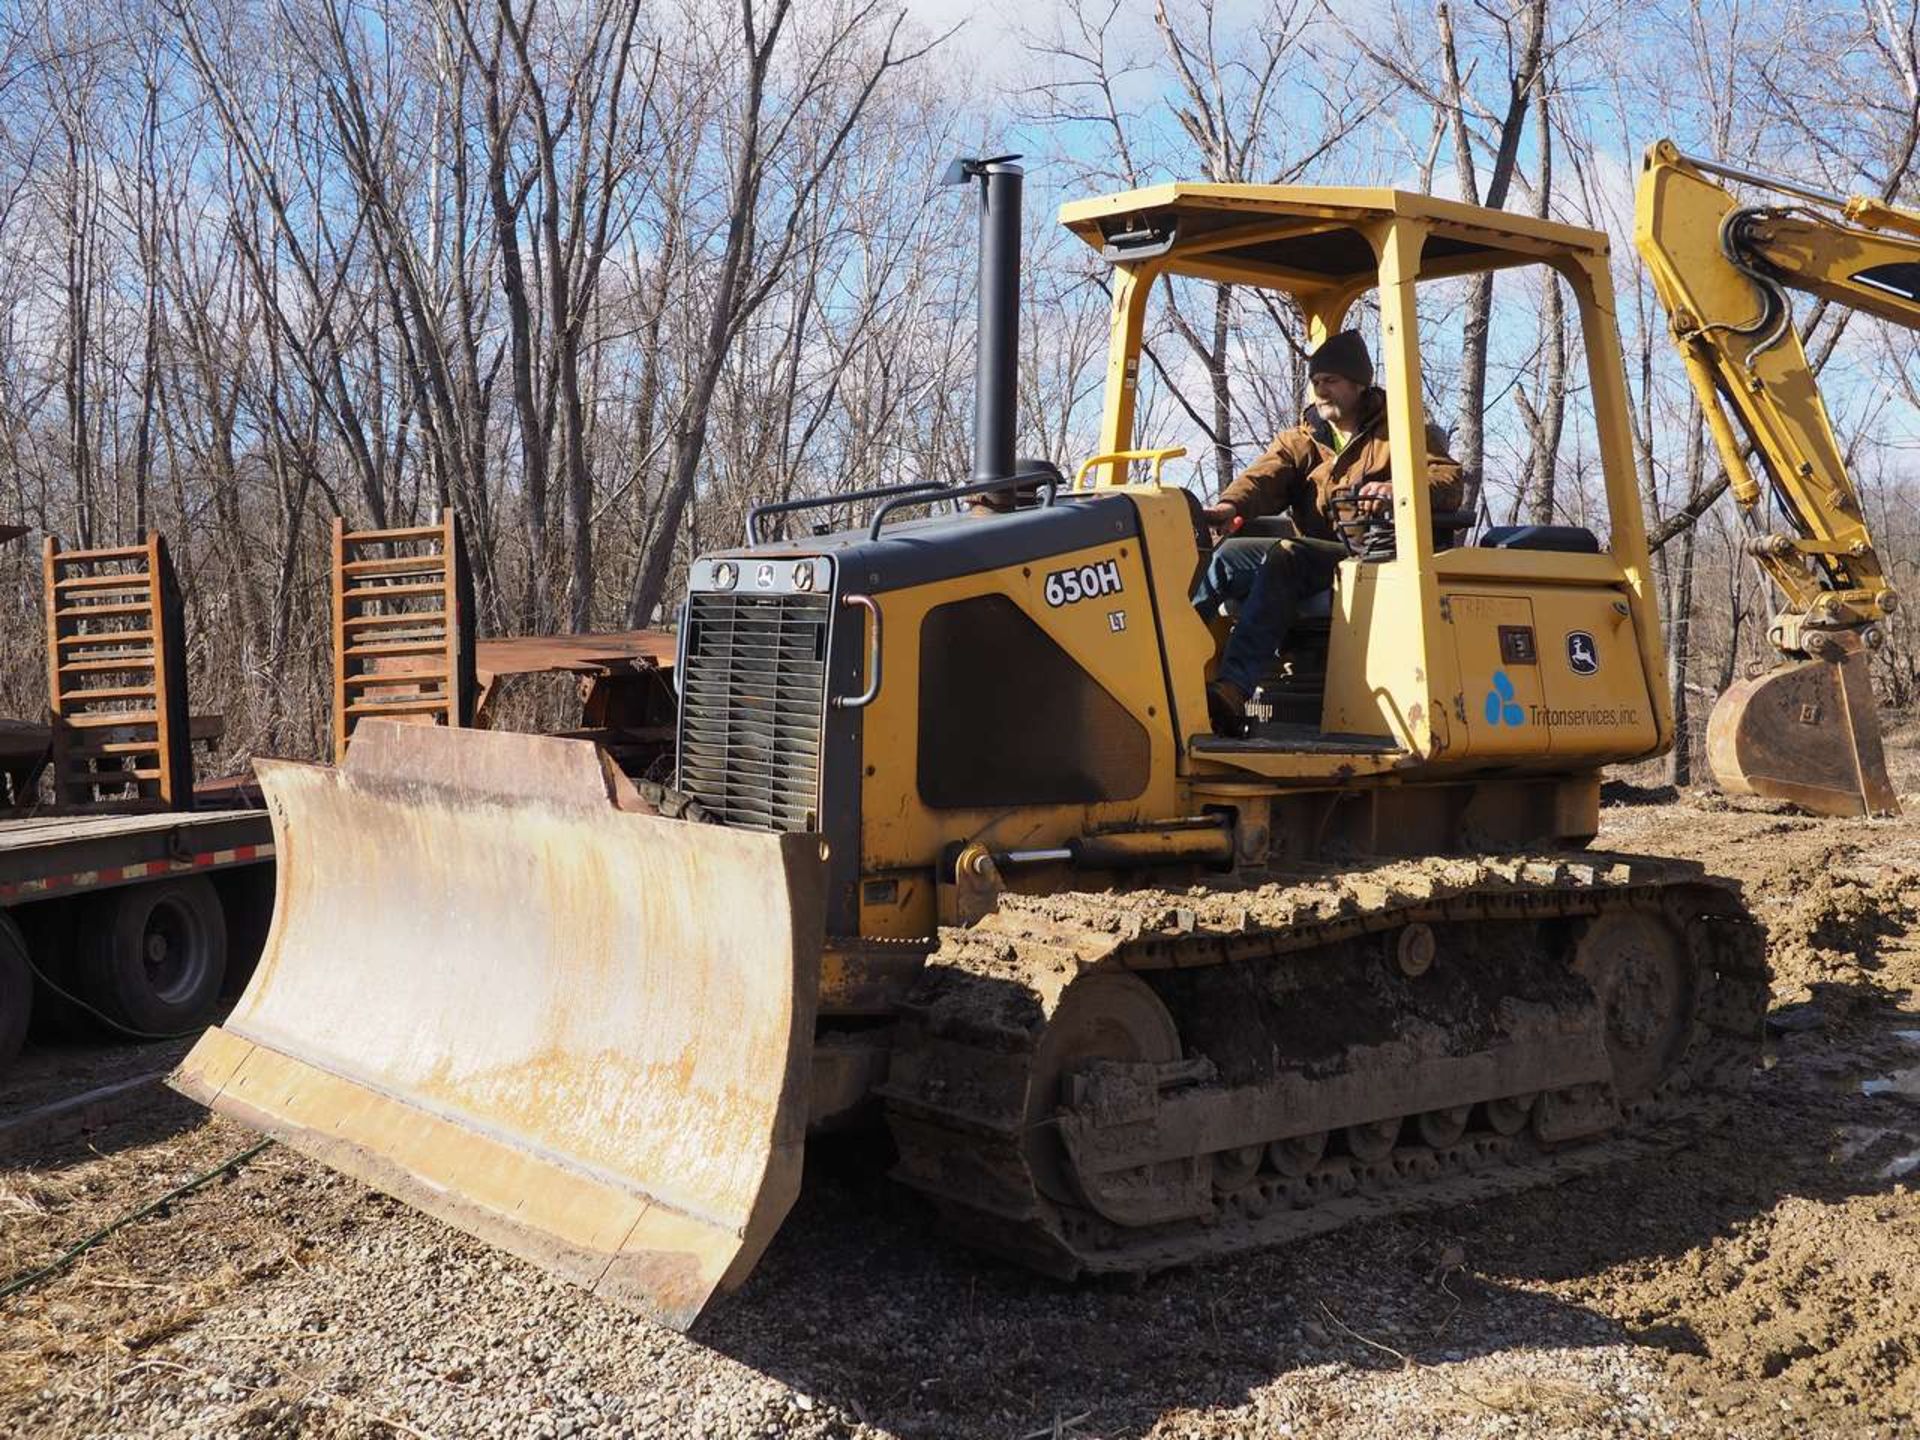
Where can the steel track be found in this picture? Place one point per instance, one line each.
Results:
(957, 1095)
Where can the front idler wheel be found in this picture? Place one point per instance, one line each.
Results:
(1105, 1041)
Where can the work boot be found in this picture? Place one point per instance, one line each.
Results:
(1227, 709)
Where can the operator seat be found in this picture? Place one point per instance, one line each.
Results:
(1569, 539)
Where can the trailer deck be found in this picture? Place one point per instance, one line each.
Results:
(46, 856)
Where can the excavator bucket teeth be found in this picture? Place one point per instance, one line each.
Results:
(1807, 731)
(495, 992)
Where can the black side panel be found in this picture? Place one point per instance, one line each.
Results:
(1007, 717)
(842, 769)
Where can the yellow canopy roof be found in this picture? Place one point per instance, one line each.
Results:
(1309, 237)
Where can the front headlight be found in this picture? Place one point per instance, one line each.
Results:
(726, 575)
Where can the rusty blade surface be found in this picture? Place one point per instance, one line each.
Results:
(1807, 731)
(578, 1032)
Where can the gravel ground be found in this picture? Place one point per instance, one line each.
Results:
(1766, 1284)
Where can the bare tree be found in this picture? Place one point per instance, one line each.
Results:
(800, 136)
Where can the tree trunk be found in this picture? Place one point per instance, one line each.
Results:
(1680, 613)
(1222, 392)
(1470, 426)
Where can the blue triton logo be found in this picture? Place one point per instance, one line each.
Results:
(1501, 706)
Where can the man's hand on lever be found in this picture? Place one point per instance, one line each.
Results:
(1376, 497)
(1222, 518)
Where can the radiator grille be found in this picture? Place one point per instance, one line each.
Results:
(752, 707)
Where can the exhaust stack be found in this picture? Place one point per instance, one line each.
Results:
(993, 396)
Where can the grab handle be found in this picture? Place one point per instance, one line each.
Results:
(866, 696)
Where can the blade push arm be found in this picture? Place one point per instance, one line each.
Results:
(1722, 271)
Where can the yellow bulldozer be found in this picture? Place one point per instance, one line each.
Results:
(951, 847)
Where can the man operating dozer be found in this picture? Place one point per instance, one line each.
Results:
(1339, 445)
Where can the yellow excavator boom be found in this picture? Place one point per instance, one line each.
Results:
(1806, 730)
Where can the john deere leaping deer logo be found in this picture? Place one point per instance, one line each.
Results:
(1583, 656)
(1502, 708)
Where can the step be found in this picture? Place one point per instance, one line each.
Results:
(111, 552)
(131, 584)
(413, 532)
(107, 718)
(118, 692)
(418, 619)
(379, 649)
(398, 565)
(399, 707)
(108, 749)
(94, 612)
(415, 678)
(110, 637)
(105, 777)
(390, 592)
(134, 660)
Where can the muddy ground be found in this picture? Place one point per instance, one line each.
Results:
(1765, 1284)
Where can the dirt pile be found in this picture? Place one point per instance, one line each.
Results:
(1764, 1283)
(1834, 931)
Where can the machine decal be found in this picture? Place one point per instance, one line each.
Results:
(1502, 709)
(1516, 645)
(1116, 620)
(1087, 582)
(1603, 715)
(1583, 656)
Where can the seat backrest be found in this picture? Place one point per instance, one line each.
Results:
(1572, 539)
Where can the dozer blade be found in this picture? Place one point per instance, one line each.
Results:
(579, 1032)
(1807, 731)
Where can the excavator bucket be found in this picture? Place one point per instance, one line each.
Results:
(496, 991)
(1807, 731)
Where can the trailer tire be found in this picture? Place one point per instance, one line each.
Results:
(16, 990)
(152, 957)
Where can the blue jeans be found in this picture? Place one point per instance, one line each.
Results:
(1269, 579)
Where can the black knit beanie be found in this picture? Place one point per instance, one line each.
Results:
(1345, 355)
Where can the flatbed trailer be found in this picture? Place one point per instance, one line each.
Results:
(138, 922)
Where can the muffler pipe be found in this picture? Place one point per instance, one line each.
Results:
(999, 313)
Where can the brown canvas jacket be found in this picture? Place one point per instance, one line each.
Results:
(1300, 470)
